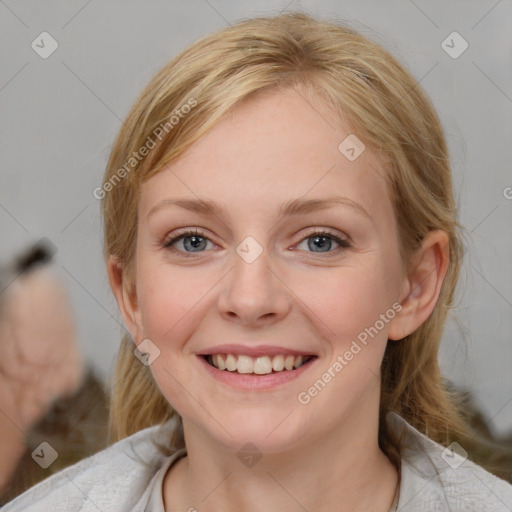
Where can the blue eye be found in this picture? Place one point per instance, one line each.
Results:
(323, 240)
(195, 241)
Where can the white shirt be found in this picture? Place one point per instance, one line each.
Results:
(128, 476)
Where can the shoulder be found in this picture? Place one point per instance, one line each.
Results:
(114, 479)
(436, 478)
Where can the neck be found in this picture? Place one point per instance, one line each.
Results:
(342, 470)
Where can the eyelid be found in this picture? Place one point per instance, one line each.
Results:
(343, 238)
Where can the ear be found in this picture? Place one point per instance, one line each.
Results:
(126, 298)
(423, 285)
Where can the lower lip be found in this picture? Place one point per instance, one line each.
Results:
(252, 381)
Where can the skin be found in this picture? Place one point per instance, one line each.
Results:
(322, 456)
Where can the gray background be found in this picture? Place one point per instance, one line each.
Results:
(61, 114)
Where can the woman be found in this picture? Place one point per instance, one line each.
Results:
(281, 238)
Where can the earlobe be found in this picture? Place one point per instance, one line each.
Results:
(125, 297)
(423, 285)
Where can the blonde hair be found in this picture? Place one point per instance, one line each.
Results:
(374, 96)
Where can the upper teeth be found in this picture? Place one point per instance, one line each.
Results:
(259, 365)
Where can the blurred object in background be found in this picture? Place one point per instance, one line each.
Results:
(75, 428)
(40, 359)
(491, 452)
(43, 377)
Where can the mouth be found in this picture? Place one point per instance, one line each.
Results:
(261, 365)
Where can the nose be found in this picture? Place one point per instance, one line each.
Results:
(254, 293)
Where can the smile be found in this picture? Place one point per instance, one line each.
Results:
(261, 365)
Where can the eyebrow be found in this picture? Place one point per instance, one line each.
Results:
(293, 207)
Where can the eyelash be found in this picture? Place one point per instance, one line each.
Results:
(169, 243)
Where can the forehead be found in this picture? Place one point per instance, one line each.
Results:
(274, 147)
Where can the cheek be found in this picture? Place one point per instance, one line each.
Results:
(168, 297)
(345, 301)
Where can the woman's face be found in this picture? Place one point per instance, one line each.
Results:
(254, 285)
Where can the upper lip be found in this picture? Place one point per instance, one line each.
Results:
(253, 351)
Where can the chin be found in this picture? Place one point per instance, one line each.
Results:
(266, 431)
